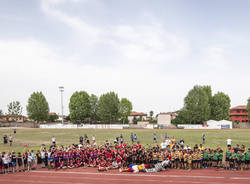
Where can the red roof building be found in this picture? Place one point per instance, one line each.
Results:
(239, 114)
(137, 115)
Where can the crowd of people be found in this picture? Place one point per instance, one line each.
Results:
(127, 158)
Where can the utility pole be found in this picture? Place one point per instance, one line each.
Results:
(61, 89)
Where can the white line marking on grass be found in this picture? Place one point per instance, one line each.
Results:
(133, 175)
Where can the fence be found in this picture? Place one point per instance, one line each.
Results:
(85, 126)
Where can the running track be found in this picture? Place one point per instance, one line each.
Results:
(92, 176)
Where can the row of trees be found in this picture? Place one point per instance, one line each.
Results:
(200, 106)
(108, 108)
(83, 108)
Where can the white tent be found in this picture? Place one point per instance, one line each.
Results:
(222, 124)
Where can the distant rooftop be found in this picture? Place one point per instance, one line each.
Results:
(137, 114)
(240, 107)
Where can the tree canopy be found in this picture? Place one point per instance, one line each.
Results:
(196, 103)
(220, 106)
(38, 107)
(109, 107)
(125, 109)
(200, 106)
(93, 100)
(1, 113)
(15, 109)
(79, 107)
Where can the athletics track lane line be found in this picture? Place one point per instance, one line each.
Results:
(100, 180)
(144, 175)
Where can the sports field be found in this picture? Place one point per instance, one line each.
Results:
(34, 138)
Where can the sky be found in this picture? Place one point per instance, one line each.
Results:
(149, 51)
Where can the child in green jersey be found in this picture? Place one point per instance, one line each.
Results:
(247, 157)
(228, 155)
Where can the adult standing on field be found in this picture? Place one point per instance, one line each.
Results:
(229, 142)
(81, 140)
(5, 139)
(132, 138)
(93, 138)
(155, 138)
(10, 139)
(203, 138)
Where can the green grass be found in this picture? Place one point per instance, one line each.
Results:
(34, 138)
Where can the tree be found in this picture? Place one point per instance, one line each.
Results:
(125, 109)
(53, 117)
(196, 104)
(109, 107)
(182, 118)
(79, 107)
(15, 109)
(93, 100)
(151, 113)
(220, 105)
(38, 107)
(1, 113)
(248, 108)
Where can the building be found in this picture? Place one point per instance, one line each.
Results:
(165, 118)
(140, 116)
(239, 114)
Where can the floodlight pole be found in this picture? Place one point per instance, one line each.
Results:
(61, 89)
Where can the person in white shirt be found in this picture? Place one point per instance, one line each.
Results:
(168, 141)
(6, 162)
(53, 140)
(10, 140)
(163, 144)
(30, 158)
(42, 152)
(93, 138)
(229, 142)
(187, 147)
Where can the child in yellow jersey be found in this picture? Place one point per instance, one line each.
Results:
(195, 159)
(176, 159)
(172, 158)
(190, 159)
(181, 161)
(200, 157)
(185, 159)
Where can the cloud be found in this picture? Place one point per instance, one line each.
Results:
(214, 57)
(137, 44)
(146, 63)
(83, 29)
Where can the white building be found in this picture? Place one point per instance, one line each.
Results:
(165, 118)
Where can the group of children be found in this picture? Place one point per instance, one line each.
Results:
(134, 158)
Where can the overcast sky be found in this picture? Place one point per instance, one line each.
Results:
(150, 51)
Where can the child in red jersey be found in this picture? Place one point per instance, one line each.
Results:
(102, 165)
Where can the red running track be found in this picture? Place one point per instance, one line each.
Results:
(92, 176)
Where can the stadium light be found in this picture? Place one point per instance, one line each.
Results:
(61, 89)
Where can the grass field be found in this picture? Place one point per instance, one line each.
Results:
(34, 138)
